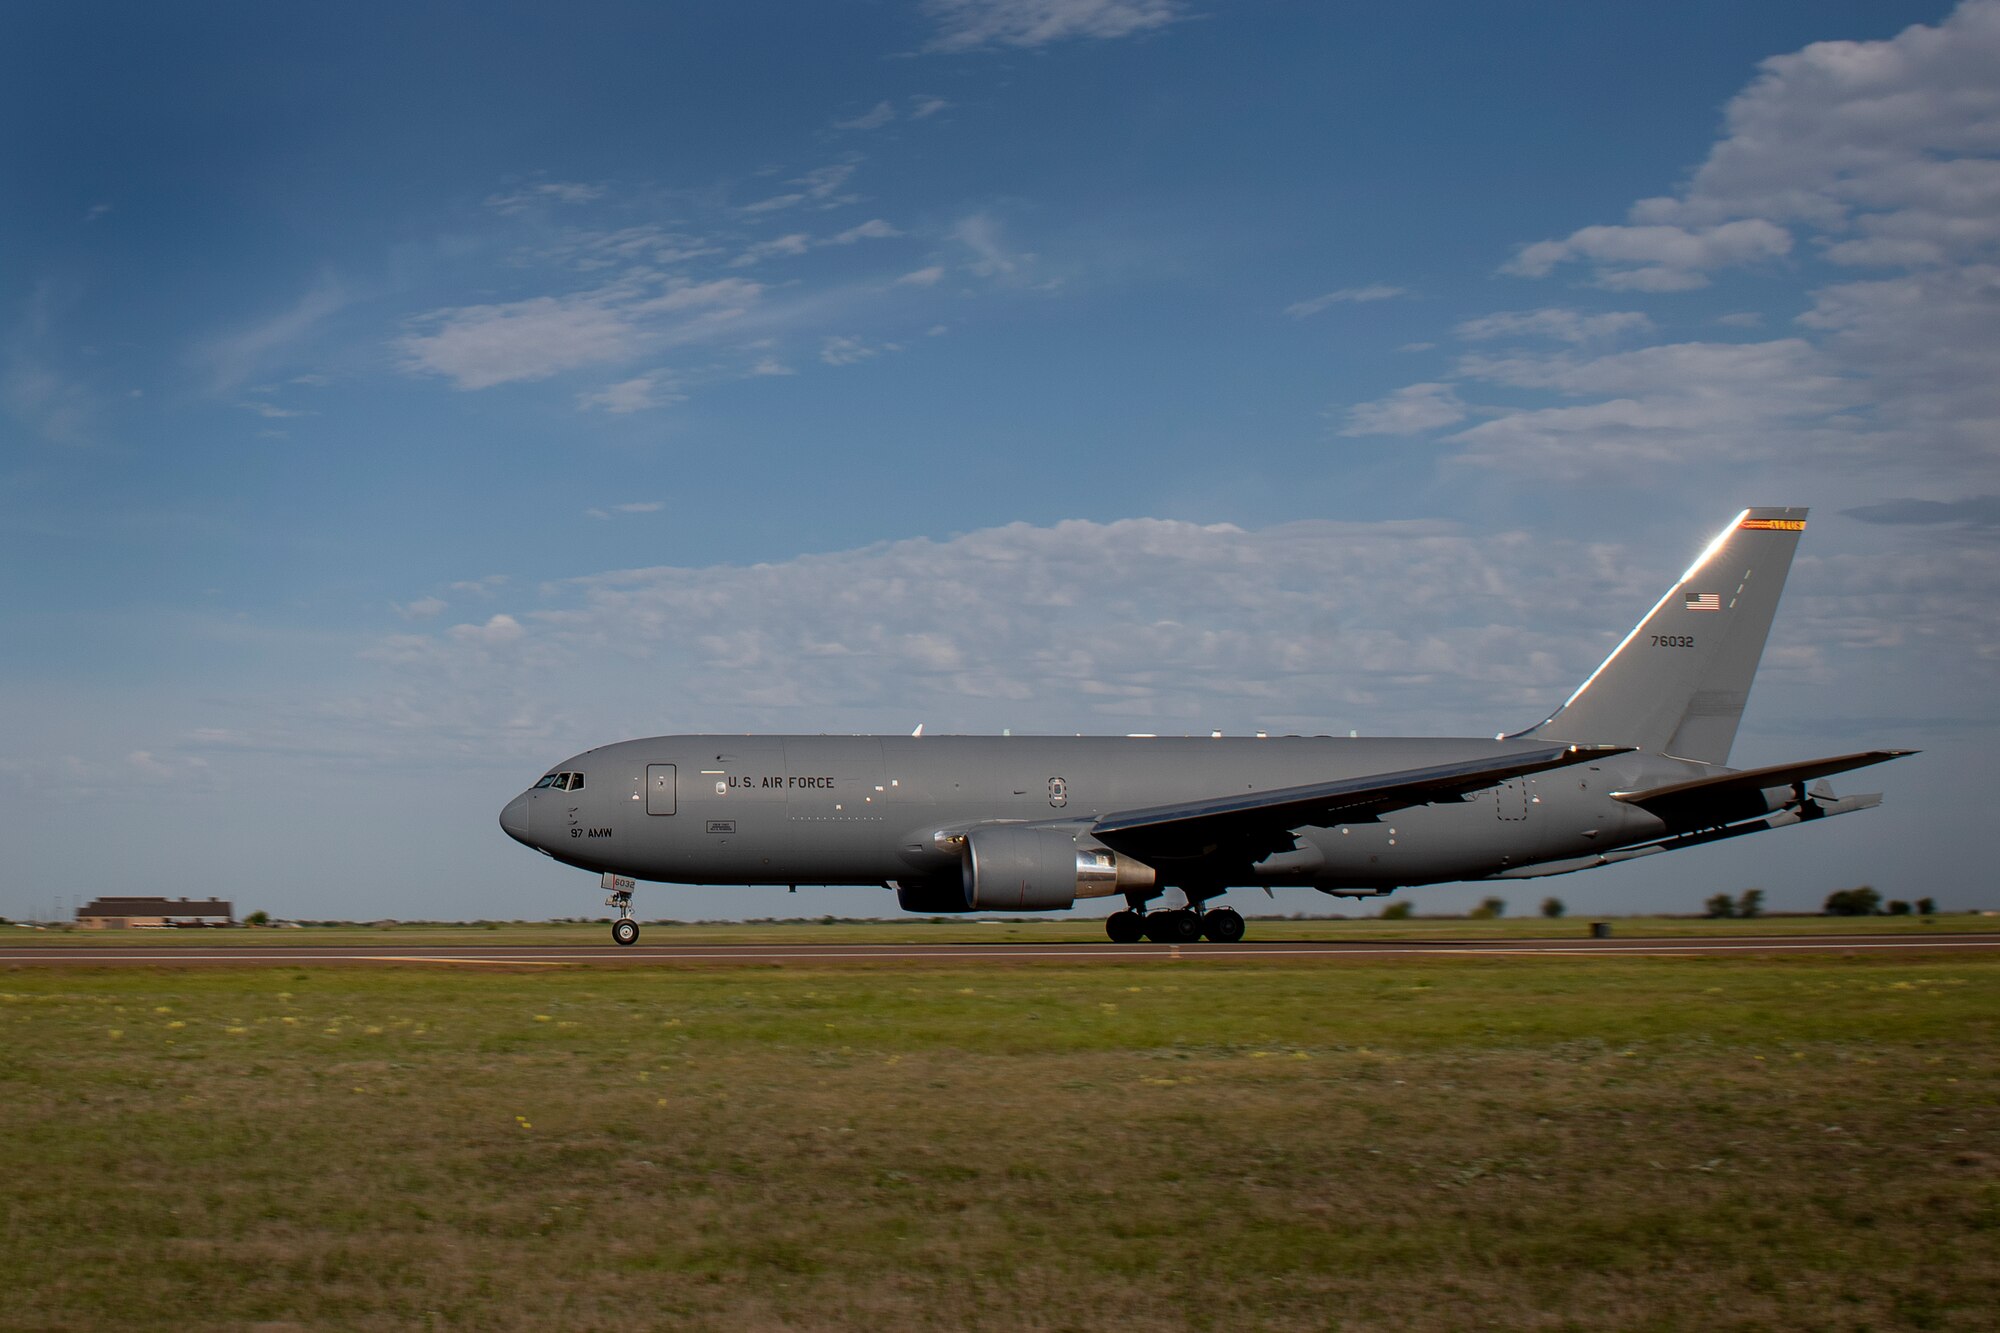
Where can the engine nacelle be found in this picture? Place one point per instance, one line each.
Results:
(1012, 868)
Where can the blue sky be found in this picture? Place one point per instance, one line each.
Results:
(397, 399)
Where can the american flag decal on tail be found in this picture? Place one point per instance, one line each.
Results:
(1704, 601)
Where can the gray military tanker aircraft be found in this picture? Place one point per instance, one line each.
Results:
(1631, 765)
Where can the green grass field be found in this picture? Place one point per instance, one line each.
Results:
(1699, 1143)
(983, 931)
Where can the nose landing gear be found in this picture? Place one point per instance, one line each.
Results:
(624, 930)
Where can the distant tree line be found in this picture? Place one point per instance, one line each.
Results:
(1750, 904)
(1865, 901)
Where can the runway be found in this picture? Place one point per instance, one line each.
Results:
(819, 955)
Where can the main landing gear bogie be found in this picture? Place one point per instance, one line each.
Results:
(1177, 925)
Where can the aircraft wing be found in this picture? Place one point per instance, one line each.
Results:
(1729, 796)
(1260, 822)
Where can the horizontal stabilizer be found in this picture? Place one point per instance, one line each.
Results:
(1738, 791)
(1199, 827)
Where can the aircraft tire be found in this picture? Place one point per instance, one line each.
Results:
(1224, 925)
(1125, 927)
(625, 931)
(1178, 926)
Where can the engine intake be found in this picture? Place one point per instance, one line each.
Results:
(1013, 868)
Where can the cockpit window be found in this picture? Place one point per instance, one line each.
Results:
(561, 782)
(548, 781)
(574, 782)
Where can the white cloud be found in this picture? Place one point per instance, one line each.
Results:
(1141, 624)
(964, 25)
(1570, 326)
(820, 186)
(498, 630)
(923, 107)
(794, 243)
(477, 347)
(1875, 153)
(873, 119)
(1890, 143)
(994, 258)
(1378, 291)
(556, 192)
(234, 359)
(798, 243)
(843, 351)
(1408, 411)
(775, 202)
(423, 608)
(1658, 258)
(271, 411)
(635, 507)
(654, 389)
(875, 229)
(1674, 405)
(923, 277)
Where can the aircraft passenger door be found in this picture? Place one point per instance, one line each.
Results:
(659, 789)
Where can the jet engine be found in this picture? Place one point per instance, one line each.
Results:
(1014, 868)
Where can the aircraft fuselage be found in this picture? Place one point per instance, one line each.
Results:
(874, 809)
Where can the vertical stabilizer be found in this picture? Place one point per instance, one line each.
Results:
(1678, 683)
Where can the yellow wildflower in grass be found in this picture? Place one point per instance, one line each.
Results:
(176, 1024)
(235, 1031)
(523, 1122)
(543, 1018)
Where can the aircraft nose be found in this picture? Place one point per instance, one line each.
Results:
(514, 819)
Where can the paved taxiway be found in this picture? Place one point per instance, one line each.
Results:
(1330, 951)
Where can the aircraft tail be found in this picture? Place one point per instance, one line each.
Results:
(1678, 683)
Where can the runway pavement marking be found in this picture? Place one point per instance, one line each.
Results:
(489, 962)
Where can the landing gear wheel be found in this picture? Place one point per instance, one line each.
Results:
(625, 931)
(1224, 925)
(1126, 927)
(1178, 926)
